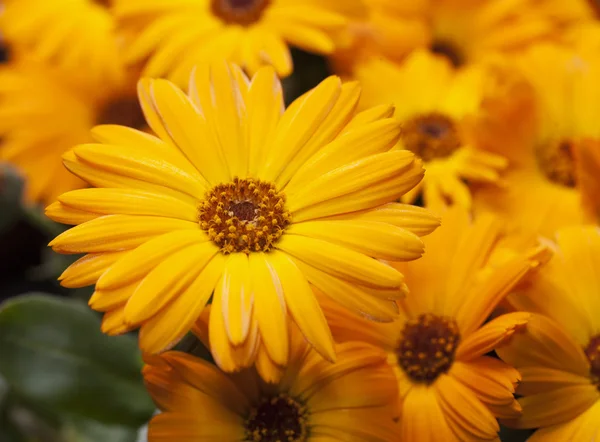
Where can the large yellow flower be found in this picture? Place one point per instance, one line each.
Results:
(314, 402)
(436, 105)
(44, 113)
(559, 355)
(174, 36)
(238, 197)
(464, 31)
(77, 36)
(449, 390)
(552, 180)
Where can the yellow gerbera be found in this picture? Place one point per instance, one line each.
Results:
(555, 159)
(559, 355)
(314, 402)
(449, 390)
(436, 104)
(238, 197)
(44, 113)
(172, 37)
(464, 31)
(75, 35)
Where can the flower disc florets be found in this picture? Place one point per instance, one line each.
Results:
(277, 419)
(427, 347)
(246, 215)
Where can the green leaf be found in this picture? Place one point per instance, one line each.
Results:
(91, 431)
(54, 354)
(11, 192)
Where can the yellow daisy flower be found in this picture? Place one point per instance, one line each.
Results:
(314, 402)
(75, 35)
(44, 113)
(240, 197)
(172, 37)
(552, 180)
(449, 390)
(559, 355)
(463, 31)
(436, 104)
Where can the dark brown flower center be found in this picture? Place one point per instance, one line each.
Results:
(246, 215)
(427, 346)
(557, 162)
(241, 12)
(277, 419)
(124, 111)
(448, 50)
(595, 5)
(431, 136)
(592, 351)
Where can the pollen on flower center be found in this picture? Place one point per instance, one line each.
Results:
(448, 50)
(245, 215)
(124, 111)
(557, 162)
(592, 351)
(427, 346)
(277, 419)
(242, 12)
(431, 136)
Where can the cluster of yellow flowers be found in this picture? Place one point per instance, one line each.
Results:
(408, 252)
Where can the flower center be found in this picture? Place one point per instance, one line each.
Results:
(558, 163)
(427, 346)
(124, 111)
(592, 352)
(431, 136)
(595, 5)
(241, 12)
(277, 419)
(448, 50)
(246, 215)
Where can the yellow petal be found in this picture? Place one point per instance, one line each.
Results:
(464, 412)
(106, 300)
(370, 139)
(171, 324)
(417, 425)
(67, 215)
(555, 406)
(351, 296)
(545, 344)
(139, 262)
(298, 125)
(235, 292)
(492, 335)
(86, 271)
(129, 202)
(112, 233)
(134, 163)
(338, 117)
(270, 308)
(303, 305)
(375, 239)
(208, 379)
(341, 262)
(99, 177)
(221, 102)
(373, 180)
(189, 131)
(168, 280)
(415, 219)
(265, 107)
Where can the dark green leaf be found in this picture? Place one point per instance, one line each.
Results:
(91, 431)
(11, 192)
(53, 353)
